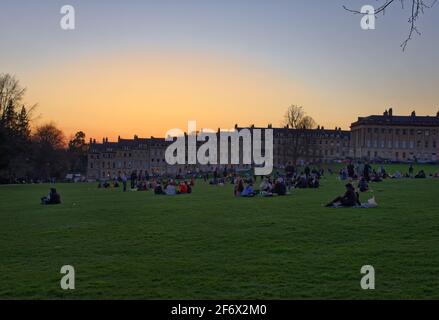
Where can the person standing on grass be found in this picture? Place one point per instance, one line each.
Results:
(351, 170)
(124, 182)
(133, 179)
(411, 169)
(239, 187)
(366, 172)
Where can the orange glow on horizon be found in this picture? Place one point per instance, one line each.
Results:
(148, 94)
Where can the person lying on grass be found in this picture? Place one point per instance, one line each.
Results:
(52, 198)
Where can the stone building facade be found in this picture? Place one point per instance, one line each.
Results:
(111, 159)
(396, 138)
(377, 137)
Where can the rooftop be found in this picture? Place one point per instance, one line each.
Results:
(387, 118)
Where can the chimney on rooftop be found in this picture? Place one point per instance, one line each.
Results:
(386, 113)
(413, 113)
(391, 112)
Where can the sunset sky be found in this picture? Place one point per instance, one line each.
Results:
(143, 67)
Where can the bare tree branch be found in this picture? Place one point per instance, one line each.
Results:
(417, 8)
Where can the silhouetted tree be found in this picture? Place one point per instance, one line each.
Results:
(50, 155)
(300, 141)
(78, 149)
(14, 131)
(296, 118)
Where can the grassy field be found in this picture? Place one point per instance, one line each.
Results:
(210, 245)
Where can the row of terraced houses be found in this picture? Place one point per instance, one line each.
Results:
(388, 137)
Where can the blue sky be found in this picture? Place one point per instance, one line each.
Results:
(314, 43)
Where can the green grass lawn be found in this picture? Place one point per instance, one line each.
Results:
(210, 245)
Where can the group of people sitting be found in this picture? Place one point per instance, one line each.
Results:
(303, 181)
(171, 187)
(267, 188)
(356, 172)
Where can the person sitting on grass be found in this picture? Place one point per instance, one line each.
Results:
(265, 185)
(248, 191)
(396, 175)
(170, 189)
(158, 189)
(302, 182)
(376, 177)
(420, 175)
(189, 187)
(142, 186)
(363, 186)
(52, 198)
(349, 199)
(182, 188)
(280, 187)
(314, 182)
